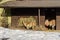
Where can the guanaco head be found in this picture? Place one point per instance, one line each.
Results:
(47, 22)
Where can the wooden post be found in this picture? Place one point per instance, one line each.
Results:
(38, 17)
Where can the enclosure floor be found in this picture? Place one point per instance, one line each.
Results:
(28, 34)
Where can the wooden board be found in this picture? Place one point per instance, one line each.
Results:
(58, 22)
(15, 4)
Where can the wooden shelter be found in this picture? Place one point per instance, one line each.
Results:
(37, 7)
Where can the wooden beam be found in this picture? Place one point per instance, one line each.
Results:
(31, 4)
(38, 17)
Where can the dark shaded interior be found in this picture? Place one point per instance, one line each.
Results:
(50, 14)
(50, 10)
(24, 12)
(57, 11)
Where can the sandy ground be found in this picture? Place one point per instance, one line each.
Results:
(28, 34)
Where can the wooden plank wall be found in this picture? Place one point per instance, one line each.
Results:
(42, 19)
(57, 22)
